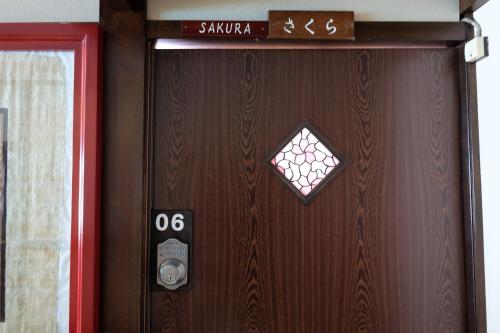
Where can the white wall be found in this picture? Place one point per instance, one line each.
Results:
(365, 10)
(488, 71)
(49, 11)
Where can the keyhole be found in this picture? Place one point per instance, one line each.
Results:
(172, 271)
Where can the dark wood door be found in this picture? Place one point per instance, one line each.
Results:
(379, 249)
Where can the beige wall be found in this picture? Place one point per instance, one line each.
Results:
(365, 10)
(49, 10)
(489, 137)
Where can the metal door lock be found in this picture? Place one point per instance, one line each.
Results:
(172, 264)
(172, 271)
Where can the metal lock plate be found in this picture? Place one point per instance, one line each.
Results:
(171, 238)
(172, 264)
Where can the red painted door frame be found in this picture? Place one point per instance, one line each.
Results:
(85, 41)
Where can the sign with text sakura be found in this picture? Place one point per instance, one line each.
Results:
(323, 25)
(225, 29)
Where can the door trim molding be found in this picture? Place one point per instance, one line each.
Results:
(85, 41)
(147, 184)
(472, 201)
(406, 33)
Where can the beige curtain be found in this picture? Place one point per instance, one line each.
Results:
(36, 88)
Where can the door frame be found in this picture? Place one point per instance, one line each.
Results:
(368, 35)
(85, 41)
(472, 200)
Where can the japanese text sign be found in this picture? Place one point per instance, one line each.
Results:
(321, 25)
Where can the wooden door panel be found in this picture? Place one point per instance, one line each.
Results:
(380, 249)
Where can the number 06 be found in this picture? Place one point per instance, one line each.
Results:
(162, 222)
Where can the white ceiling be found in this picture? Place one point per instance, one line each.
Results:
(365, 10)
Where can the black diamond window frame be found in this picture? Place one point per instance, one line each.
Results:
(306, 199)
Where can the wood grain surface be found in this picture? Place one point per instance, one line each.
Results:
(380, 249)
(123, 140)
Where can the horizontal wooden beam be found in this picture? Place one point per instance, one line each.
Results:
(163, 29)
(411, 32)
(449, 33)
(470, 6)
(134, 5)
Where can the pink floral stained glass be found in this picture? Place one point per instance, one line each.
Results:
(306, 162)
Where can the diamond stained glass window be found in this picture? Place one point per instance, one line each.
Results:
(306, 162)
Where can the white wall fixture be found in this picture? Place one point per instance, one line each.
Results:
(477, 48)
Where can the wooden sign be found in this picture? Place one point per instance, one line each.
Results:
(311, 25)
(225, 29)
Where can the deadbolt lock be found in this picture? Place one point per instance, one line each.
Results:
(172, 264)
